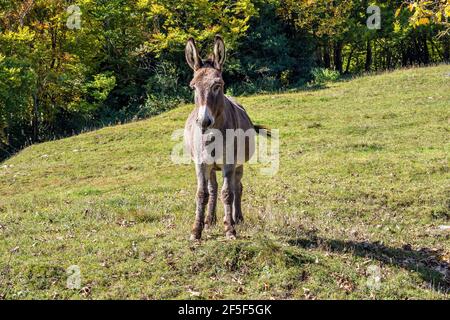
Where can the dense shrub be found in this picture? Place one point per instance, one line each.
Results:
(323, 75)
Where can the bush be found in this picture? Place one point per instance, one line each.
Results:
(323, 75)
(163, 91)
(156, 104)
(259, 85)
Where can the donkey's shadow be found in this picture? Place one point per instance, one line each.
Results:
(426, 262)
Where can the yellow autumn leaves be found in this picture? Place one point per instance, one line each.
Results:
(426, 11)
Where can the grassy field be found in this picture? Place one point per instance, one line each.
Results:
(362, 189)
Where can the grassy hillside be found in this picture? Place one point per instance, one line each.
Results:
(363, 186)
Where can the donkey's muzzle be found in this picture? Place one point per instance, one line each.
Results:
(204, 123)
(204, 118)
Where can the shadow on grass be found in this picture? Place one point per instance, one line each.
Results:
(426, 262)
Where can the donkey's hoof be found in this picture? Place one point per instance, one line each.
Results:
(195, 237)
(231, 235)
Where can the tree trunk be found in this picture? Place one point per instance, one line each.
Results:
(326, 56)
(368, 56)
(447, 49)
(338, 56)
(425, 53)
(388, 59)
(318, 56)
(416, 52)
(35, 119)
(347, 67)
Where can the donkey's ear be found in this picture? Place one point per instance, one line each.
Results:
(219, 52)
(192, 57)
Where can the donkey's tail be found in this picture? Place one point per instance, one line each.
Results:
(262, 130)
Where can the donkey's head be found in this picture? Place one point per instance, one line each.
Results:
(207, 83)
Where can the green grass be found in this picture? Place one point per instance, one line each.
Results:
(363, 183)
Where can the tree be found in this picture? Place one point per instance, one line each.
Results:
(425, 12)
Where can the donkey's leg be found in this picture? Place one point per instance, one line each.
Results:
(211, 217)
(203, 172)
(237, 212)
(227, 199)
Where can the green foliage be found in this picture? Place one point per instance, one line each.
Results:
(273, 55)
(17, 84)
(323, 75)
(98, 89)
(163, 91)
(262, 84)
(173, 21)
(424, 12)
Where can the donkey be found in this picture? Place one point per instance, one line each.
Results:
(215, 112)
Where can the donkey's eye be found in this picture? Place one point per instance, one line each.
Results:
(216, 88)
